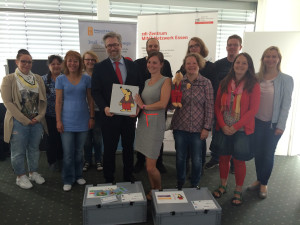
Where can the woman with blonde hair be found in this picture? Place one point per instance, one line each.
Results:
(94, 137)
(74, 116)
(276, 96)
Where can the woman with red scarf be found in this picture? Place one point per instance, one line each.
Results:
(236, 104)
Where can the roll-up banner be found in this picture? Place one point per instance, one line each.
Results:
(175, 30)
(91, 33)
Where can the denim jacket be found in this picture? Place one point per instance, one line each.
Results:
(283, 89)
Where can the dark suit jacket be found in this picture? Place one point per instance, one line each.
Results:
(104, 76)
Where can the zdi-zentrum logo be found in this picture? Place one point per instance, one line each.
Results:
(90, 31)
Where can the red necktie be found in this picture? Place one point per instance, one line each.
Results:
(118, 72)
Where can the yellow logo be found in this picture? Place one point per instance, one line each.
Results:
(90, 31)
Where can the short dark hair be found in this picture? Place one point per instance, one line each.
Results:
(159, 55)
(235, 36)
(151, 39)
(22, 52)
(51, 58)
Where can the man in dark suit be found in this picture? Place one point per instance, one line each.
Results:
(152, 45)
(222, 67)
(118, 70)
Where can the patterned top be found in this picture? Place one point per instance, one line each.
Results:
(197, 110)
(50, 93)
(29, 91)
(229, 119)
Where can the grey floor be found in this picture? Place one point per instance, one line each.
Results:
(49, 204)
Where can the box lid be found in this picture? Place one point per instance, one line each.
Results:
(192, 195)
(134, 194)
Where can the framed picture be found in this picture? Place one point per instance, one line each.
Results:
(121, 102)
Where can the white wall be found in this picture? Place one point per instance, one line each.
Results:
(289, 44)
(278, 15)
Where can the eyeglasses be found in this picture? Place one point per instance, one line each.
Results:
(115, 45)
(26, 62)
(90, 60)
(233, 45)
(194, 46)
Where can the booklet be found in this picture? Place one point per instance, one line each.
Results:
(121, 102)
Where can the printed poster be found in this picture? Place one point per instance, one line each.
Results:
(170, 197)
(122, 99)
(105, 191)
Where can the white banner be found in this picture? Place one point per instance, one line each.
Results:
(175, 30)
(91, 33)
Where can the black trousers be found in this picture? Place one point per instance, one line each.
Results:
(112, 128)
(55, 151)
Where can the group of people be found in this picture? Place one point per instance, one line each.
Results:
(73, 107)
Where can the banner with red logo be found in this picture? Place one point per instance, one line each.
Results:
(174, 32)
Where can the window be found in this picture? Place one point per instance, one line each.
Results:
(43, 27)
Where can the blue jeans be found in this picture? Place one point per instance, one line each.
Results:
(94, 140)
(185, 141)
(72, 143)
(24, 142)
(265, 143)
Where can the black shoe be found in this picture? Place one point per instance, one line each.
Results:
(130, 178)
(179, 186)
(110, 181)
(211, 164)
(138, 167)
(195, 186)
(86, 166)
(161, 168)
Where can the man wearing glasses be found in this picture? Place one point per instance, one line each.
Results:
(115, 69)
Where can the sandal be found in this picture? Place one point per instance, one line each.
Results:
(218, 190)
(240, 199)
(149, 196)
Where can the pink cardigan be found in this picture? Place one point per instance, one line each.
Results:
(249, 108)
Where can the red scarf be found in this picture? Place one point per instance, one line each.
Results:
(226, 98)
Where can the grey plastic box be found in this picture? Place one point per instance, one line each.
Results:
(117, 212)
(185, 213)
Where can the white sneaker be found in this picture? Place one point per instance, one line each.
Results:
(99, 166)
(37, 178)
(23, 182)
(67, 187)
(81, 181)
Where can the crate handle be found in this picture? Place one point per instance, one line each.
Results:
(99, 206)
(173, 213)
(206, 211)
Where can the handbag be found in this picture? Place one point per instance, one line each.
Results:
(218, 142)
